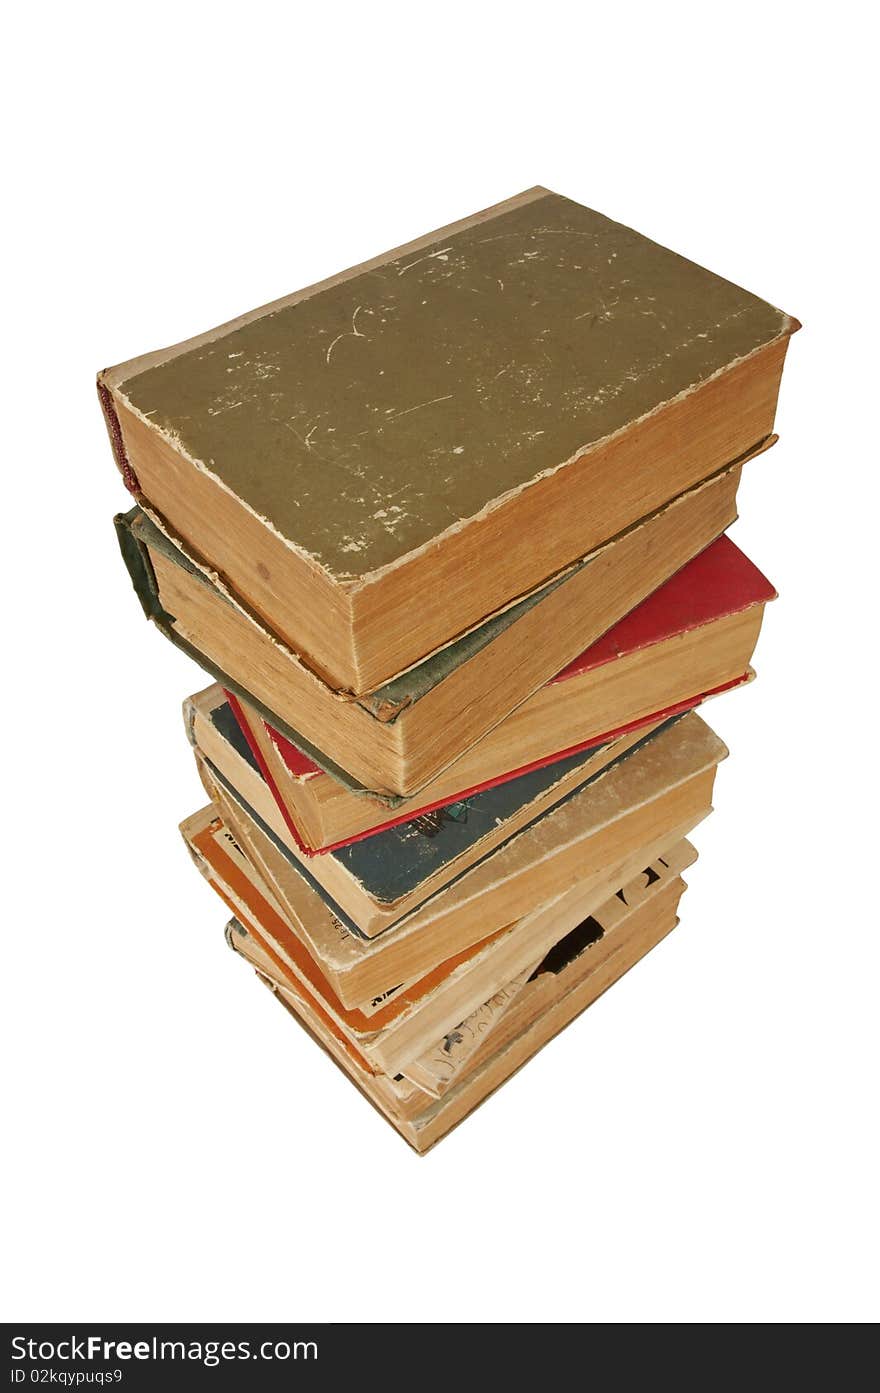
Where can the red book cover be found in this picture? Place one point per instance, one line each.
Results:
(720, 581)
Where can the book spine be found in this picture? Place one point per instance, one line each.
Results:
(136, 556)
(140, 568)
(244, 726)
(117, 443)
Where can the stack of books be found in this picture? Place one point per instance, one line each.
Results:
(447, 531)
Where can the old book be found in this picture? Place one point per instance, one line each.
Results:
(661, 791)
(440, 1066)
(404, 734)
(691, 639)
(413, 1022)
(446, 1062)
(541, 1012)
(377, 880)
(378, 883)
(364, 461)
(406, 1018)
(209, 714)
(266, 748)
(215, 733)
(550, 1001)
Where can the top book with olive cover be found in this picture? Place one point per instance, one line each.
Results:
(377, 464)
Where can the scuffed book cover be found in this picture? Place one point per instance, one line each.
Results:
(362, 438)
(395, 862)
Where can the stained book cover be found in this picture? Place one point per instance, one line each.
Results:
(394, 863)
(364, 419)
(444, 1061)
(548, 1002)
(413, 1020)
(443, 1065)
(649, 800)
(333, 454)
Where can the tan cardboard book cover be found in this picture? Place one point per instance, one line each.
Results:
(588, 944)
(661, 790)
(379, 462)
(446, 1061)
(411, 1019)
(544, 1007)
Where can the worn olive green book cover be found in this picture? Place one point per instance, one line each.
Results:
(432, 434)
(364, 419)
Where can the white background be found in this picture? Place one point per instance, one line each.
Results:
(701, 1145)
